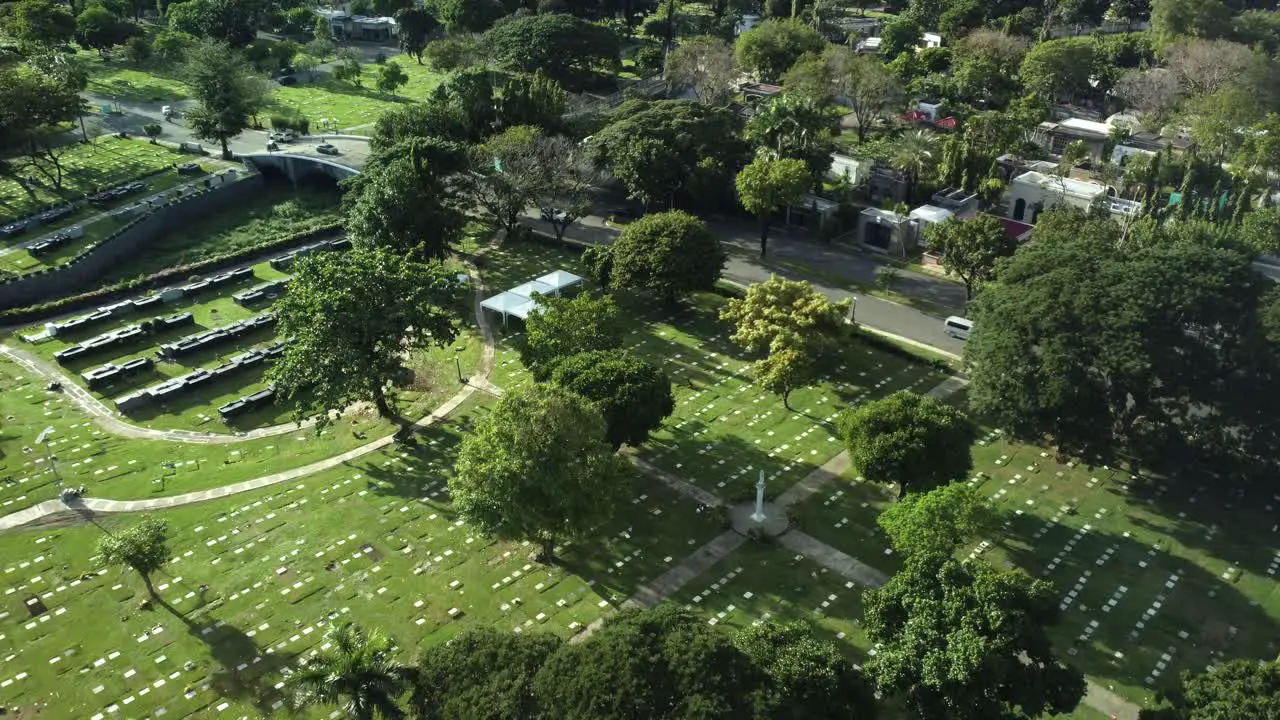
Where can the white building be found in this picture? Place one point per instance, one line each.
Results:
(1033, 192)
(930, 40)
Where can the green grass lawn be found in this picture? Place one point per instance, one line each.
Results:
(22, 262)
(374, 541)
(724, 430)
(154, 81)
(104, 163)
(1192, 577)
(278, 211)
(332, 105)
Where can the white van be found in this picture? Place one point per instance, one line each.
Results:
(958, 327)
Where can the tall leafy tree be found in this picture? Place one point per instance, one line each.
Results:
(937, 521)
(407, 199)
(1172, 19)
(1059, 68)
(970, 248)
(1166, 357)
(632, 394)
(1234, 689)
(565, 48)
(531, 100)
(772, 47)
(538, 468)
(358, 672)
(352, 317)
(792, 326)
(37, 24)
(560, 327)
(227, 93)
(664, 150)
(481, 674)
(459, 16)
(962, 641)
(568, 180)
(97, 28)
(234, 22)
(704, 66)
(143, 547)
(910, 440)
(863, 82)
(806, 678)
(793, 126)
(414, 26)
(770, 184)
(669, 254)
(900, 35)
(391, 77)
(40, 98)
(506, 174)
(659, 664)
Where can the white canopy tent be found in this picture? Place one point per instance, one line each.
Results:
(510, 305)
(531, 287)
(560, 280)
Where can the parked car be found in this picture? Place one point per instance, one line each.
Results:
(550, 214)
(189, 168)
(621, 215)
(326, 149)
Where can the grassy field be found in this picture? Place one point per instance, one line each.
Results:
(96, 221)
(373, 541)
(155, 81)
(1153, 581)
(278, 211)
(87, 168)
(332, 105)
(724, 430)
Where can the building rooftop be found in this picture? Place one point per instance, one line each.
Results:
(1081, 189)
(930, 213)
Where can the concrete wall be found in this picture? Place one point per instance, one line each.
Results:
(132, 238)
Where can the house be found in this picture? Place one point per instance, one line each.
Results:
(869, 45)
(921, 219)
(359, 27)
(1054, 137)
(884, 231)
(1032, 192)
(755, 92)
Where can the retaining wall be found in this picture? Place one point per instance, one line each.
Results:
(132, 238)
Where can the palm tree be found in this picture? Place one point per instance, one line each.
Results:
(914, 154)
(358, 673)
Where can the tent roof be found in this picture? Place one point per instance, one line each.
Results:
(531, 287)
(503, 302)
(560, 279)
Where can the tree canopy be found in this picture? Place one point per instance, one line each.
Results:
(356, 671)
(234, 22)
(228, 92)
(962, 641)
(562, 326)
(791, 325)
(1230, 690)
(567, 49)
(660, 664)
(481, 674)
(768, 184)
(913, 441)
(352, 316)
(665, 150)
(1153, 346)
(970, 248)
(706, 67)
(38, 24)
(804, 677)
(632, 394)
(773, 46)
(538, 468)
(144, 547)
(407, 199)
(937, 521)
(669, 254)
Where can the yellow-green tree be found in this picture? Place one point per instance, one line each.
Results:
(768, 184)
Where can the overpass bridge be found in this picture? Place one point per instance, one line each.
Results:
(300, 159)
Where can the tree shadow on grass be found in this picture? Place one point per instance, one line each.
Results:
(1201, 618)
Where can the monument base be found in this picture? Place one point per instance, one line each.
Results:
(744, 520)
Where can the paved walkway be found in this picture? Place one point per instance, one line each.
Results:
(691, 567)
(104, 506)
(680, 485)
(846, 565)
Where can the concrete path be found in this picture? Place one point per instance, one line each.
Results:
(680, 485)
(846, 565)
(698, 562)
(104, 506)
(948, 387)
(814, 481)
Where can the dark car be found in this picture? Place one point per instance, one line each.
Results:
(621, 215)
(326, 149)
(550, 214)
(14, 229)
(189, 168)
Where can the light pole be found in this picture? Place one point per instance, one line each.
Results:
(43, 439)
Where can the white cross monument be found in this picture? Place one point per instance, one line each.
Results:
(758, 515)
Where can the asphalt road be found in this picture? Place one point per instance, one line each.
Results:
(890, 317)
